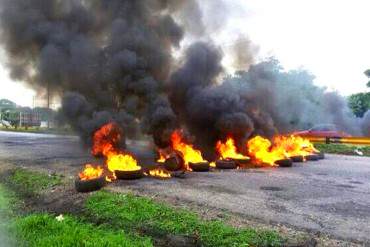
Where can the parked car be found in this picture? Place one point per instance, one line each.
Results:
(323, 130)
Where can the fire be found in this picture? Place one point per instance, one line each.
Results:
(262, 152)
(164, 154)
(105, 143)
(106, 139)
(189, 153)
(122, 162)
(228, 150)
(159, 173)
(162, 158)
(295, 145)
(90, 172)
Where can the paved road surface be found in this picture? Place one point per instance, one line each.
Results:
(331, 196)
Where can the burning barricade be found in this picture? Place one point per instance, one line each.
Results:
(181, 156)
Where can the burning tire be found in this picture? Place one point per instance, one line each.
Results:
(312, 157)
(129, 175)
(284, 163)
(321, 155)
(174, 163)
(199, 167)
(90, 185)
(241, 162)
(226, 164)
(297, 158)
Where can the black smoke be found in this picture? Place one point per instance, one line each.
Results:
(212, 110)
(108, 59)
(112, 60)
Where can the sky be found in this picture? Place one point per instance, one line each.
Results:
(329, 38)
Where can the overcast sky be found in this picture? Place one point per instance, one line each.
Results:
(330, 38)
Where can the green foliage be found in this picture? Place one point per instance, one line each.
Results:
(42, 230)
(31, 182)
(335, 148)
(131, 212)
(359, 103)
(6, 212)
(367, 73)
(7, 104)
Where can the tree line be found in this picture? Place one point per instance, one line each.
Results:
(360, 102)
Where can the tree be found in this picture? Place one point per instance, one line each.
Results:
(367, 73)
(359, 103)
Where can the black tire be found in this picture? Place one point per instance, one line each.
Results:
(297, 158)
(284, 163)
(174, 163)
(199, 167)
(90, 185)
(241, 162)
(226, 164)
(129, 175)
(321, 155)
(312, 157)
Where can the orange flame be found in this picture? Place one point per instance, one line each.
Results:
(228, 150)
(159, 173)
(189, 153)
(295, 145)
(90, 172)
(164, 154)
(106, 139)
(262, 152)
(105, 142)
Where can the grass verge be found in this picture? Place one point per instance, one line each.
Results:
(7, 237)
(335, 148)
(43, 230)
(40, 229)
(29, 183)
(142, 214)
(144, 221)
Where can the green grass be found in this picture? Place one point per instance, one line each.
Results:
(4, 202)
(116, 220)
(131, 212)
(31, 182)
(42, 230)
(335, 148)
(6, 213)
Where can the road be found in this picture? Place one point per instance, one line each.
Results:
(330, 196)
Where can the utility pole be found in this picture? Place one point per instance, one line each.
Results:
(48, 102)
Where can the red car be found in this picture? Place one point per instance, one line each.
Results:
(323, 130)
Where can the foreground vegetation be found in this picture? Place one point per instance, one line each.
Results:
(132, 212)
(111, 219)
(334, 148)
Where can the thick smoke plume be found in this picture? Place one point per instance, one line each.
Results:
(108, 59)
(112, 60)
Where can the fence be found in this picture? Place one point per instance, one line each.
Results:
(344, 140)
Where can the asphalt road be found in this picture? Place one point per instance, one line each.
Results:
(330, 196)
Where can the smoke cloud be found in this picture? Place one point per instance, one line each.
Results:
(108, 59)
(112, 60)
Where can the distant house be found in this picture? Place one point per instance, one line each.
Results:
(18, 116)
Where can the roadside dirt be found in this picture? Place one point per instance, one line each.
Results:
(63, 199)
